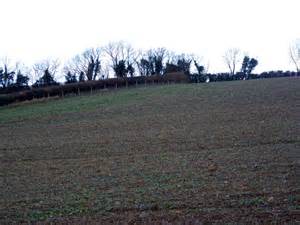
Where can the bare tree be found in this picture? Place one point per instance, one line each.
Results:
(52, 65)
(88, 63)
(105, 72)
(232, 57)
(294, 52)
(26, 70)
(118, 51)
(142, 65)
(123, 57)
(145, 63)
(152, 62)
(45, 71)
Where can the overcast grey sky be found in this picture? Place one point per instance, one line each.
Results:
(36, 29)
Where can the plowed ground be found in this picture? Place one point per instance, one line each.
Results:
(218, 153)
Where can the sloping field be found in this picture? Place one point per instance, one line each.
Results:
(218, 153)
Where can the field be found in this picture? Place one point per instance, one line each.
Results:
(217, 153)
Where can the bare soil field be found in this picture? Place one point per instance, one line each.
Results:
(217, 153)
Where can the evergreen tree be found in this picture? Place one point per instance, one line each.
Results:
(248, 66)
(120, 69)
(46, 80)
(21, 80)
(70, 78)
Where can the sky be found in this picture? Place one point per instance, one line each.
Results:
(33, 30)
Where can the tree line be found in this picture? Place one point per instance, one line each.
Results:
(121, 60)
